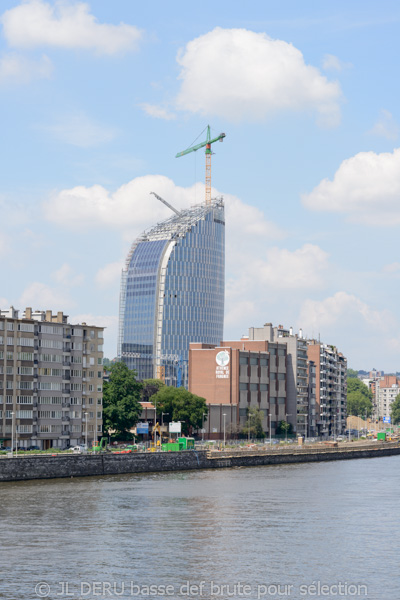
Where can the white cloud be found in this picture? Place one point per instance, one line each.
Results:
(65, 25)
(341, 310)
(43, 297)
(366, 187)
(109, 275)
(110, 322)
(386, 126)
(131, 208)
(301, 269)
(79, 130)
(4, 244)
(393, 268)
(242, 75)
(15, 69)
(65, 276)
(333, 63)
(158, 112)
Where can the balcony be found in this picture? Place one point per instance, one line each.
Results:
(65, 418)
(65, 433)
(65, 405)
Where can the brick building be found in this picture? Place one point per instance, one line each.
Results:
(236, 376)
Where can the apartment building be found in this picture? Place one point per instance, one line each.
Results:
(236, 376)
(388, 388)
(300, 396)
(51, 380)
(331, 387)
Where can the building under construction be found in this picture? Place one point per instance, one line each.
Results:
(172, 292)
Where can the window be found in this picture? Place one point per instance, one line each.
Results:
(25, 355)
(254, 360)
(10, 356)
(254, 387)
(263, 362)
(243, 387)
(272, 351)
(281, 376)
(24, 414)
(244, 360)
(25, 370)
(9, 370)
(25, 341)
(24, 399)
(263, 387)
(99, 374)
(272, 376)
(281, 352)
(90, 400)
(99, 361)
(10, 326)
(26, 327)
(99, 388)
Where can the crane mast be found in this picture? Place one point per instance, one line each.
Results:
(208, 153)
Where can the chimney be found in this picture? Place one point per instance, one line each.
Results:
(48, 315)
(28, 313)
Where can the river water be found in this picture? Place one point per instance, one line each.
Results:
(324, 530)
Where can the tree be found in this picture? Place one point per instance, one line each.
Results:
(151, 387)
(284, 427)
(121, 401)
(254, 424)
(181, 405)
(395, 410)
(359, 398)
(352, 374)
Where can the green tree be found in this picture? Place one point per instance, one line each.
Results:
(284, 427)
(121, 401)
(359, 398)
(151, 387)
(254, 424)
(181, 405)
(352, 374)
(395, 410)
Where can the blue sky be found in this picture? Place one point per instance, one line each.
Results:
(98, 97)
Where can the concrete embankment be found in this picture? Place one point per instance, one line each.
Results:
(75, 465)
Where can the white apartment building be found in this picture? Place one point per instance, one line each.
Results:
(51, 380)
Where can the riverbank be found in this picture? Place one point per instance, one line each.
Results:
(58, 466)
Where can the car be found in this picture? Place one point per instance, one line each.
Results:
(78, 449)
(33, 448)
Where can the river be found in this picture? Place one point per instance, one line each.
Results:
(323, 530)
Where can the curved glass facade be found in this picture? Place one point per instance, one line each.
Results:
(172, 293)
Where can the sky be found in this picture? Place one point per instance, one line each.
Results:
(98, 97)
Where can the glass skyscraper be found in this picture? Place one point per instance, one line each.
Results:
(172, 292)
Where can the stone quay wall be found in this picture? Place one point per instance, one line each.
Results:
(85, 465)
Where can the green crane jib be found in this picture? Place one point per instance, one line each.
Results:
(208, 152)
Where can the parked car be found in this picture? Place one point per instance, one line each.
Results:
(78, 449)
(33, 448)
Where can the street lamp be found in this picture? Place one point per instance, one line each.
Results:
(286, 416)
(86, 445)
(202, 429)
(224, 415)
(358, 427)
(12, 434)
(270, 427)
(155, 423)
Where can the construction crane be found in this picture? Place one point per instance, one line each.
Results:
(207, 144)
(166, 203)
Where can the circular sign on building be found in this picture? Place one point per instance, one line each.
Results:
(222, 358)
